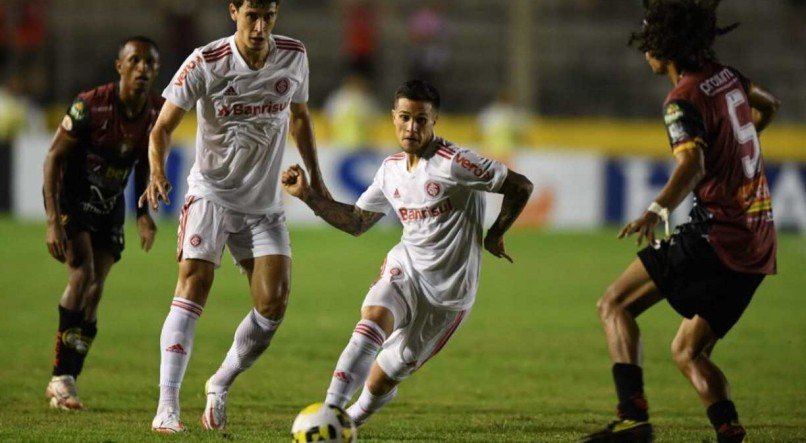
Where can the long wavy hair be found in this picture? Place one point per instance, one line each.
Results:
(680, 31)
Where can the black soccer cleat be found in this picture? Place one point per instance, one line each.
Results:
(730, 433)
(622, 431)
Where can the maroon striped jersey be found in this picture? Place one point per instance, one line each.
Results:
(109, 145)
(710, 109)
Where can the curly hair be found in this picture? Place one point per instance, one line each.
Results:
(680, 31)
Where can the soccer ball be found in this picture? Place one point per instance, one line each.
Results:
(323, 423)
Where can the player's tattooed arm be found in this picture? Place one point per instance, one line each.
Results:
(516, 189)
(348, 218)
(763, 106)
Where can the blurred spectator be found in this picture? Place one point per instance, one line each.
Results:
(29, 35)
(360, 36)
(429, 37)
(503, 126)
(351, 111)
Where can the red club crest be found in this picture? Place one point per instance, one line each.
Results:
(433, 189)
(282, 86)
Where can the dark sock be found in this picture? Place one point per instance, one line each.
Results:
(89, 329)
(721, 413)
(69, 335)
(632, 404)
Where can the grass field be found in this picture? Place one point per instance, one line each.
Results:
(529, 365)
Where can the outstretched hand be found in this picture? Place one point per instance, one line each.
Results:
(295, 183)
(157, 189)
(495, 245)
(643, 226)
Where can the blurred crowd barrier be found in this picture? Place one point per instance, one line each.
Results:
(586, 174)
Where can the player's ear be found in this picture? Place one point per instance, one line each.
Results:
(118, 64)
(233, 12)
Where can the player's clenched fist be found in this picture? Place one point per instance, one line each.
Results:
(295, 182)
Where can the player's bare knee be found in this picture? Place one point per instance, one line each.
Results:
(273, 302)
(381, 316)
(607, 304)
(683, 353)
(82, 274)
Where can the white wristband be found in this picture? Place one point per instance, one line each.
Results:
(662, 212)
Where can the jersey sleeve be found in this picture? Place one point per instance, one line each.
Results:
(373, 198)
(470, 169)
(188, 84)
(77, 120)
(684, 125)
(301, 94)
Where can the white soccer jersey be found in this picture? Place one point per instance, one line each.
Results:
(441, 206)
(243, 119)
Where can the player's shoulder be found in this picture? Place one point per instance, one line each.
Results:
(445, 149)
(216, 50)
(285, 43)
(99, 94)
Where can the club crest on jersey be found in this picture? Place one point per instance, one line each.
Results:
(395, 272)
(433, 189)
(282, 85)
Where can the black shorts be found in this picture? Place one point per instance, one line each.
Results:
(694, 281)
(106, 230)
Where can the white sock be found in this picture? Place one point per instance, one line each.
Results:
(369, 404)
(176, 343)
(353, 365)
(252, 337)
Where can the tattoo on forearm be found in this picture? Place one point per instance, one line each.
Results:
(348, 218)
(516, 195)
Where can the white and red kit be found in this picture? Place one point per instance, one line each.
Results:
(243, 124)
(430, 278)
(441, 206)
(243, 119)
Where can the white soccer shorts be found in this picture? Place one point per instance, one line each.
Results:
(205, 227)
(421, 329)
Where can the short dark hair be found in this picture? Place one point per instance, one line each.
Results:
(255, 3)
(680, 31)
(418, 90)
(139, 39)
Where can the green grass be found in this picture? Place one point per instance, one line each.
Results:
(529, 365)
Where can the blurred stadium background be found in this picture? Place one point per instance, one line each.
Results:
(547, 86)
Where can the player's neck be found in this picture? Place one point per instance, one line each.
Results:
(132, 101)
(254, 59)
(411, 161)
(673, 73)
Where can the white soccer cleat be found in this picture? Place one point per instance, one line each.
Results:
(167, 422)
(215, 412)
(62, 393)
